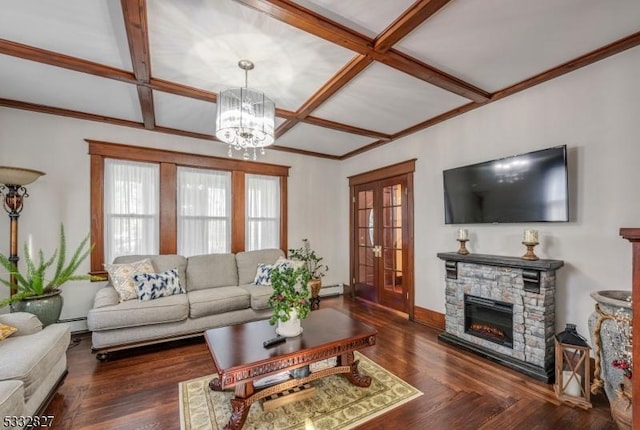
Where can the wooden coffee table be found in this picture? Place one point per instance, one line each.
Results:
(240, 358)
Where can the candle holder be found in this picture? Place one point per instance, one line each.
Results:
(463, 246)
(530, 254)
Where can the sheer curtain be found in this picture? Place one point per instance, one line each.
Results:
(262, 212)
(204, 211)
(131, 208)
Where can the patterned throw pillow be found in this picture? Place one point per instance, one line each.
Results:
(263, 274)
(296, 264)
(121, 276)
(151, 286)
(6, 331)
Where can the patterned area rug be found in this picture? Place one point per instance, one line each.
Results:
(336, 404)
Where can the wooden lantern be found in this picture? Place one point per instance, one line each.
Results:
(572, 368)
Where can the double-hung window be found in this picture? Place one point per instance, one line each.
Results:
(131, 208)
(152, 201)
(204, 211)
(263, 212)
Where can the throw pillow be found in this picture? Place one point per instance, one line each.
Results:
(6, 331)
(150, 286)
(121, 276)
(296, 264)
(263, 274)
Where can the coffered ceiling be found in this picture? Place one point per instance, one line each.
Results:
(346, 76)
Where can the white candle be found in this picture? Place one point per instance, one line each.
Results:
(30, 246)
(531, 236)
(463, 234)
(572, 386)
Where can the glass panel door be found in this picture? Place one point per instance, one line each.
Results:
(381, 237)
(392, 221)
(365, 260)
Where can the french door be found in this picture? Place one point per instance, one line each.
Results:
(382, 242)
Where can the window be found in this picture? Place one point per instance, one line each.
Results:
(130, 208)
(204, 211)
(152, 201)
(263, 212)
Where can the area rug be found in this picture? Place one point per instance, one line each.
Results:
(336, 404)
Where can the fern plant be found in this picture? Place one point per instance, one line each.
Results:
(35, 280)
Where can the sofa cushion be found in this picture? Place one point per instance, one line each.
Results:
(211, 270)
(259, 295)
(151, 286)
(248, 263)
(217, 300)
(25, 322)
(136, 313)
(30, 358)
(121, 276)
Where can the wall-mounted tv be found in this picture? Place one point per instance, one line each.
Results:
(531, 187)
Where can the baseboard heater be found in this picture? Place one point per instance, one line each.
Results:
(331, 290)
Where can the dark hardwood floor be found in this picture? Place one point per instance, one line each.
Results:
(139, 390)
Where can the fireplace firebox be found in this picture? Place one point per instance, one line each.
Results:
(489, 319)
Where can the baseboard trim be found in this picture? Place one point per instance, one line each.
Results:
(428, 317)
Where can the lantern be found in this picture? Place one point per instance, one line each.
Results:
(572, 368)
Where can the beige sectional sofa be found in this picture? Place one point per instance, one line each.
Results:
(219, 291)
(33, 363)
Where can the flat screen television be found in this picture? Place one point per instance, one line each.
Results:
(531, 187)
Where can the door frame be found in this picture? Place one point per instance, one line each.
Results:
(406, 168)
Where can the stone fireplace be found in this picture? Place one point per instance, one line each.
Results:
(502, 308)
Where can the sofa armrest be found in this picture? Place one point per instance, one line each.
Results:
(107, 296)
(11, 399)
(26, 323)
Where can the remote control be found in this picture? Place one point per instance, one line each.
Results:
(276, 340)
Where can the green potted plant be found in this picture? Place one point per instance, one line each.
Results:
(290, 299)
(38, 292)
(314, 266)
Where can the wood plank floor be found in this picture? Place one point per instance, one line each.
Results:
(461, 391)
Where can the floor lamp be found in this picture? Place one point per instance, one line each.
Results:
(13, 192)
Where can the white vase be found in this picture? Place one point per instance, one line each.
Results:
(291, 327)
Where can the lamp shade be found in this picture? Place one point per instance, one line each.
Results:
(245, 118)
(18, 176)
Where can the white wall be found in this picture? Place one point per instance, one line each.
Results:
(56, 146)
(594, 111)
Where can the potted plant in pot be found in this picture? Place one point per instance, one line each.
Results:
(290, 299)
(36, 291)
(313, 264)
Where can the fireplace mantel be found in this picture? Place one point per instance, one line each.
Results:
(502, 261)
(525, 287)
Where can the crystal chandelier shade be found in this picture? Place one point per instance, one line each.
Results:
(246, 118)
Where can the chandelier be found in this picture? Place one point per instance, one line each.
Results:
(246, 118)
